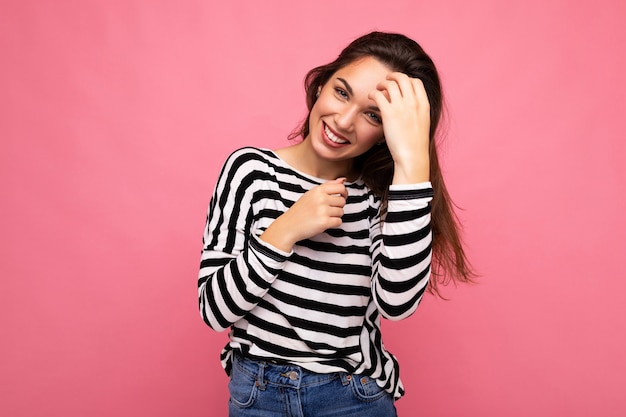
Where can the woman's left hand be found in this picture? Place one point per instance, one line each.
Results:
(405, 111)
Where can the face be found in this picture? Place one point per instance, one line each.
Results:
(344, 123)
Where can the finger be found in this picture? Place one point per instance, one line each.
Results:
(344, 194)
(335, 212)
(334, 185)
(339, 191)
(405, 85)
(339, 180)
(391, 89)
(420, 93)
(334, 222)
(337, 201)
(382, 101)
(343, 191)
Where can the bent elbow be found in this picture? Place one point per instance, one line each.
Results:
(397, 312)
(211, 321)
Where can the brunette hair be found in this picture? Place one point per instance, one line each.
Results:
(403, 54)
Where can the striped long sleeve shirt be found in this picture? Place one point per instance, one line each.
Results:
(318, 306)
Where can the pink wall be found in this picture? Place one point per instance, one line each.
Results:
(116, 116)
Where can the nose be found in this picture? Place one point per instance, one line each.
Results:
(344, 119)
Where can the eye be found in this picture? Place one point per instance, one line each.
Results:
(341, 93)
(374, 117)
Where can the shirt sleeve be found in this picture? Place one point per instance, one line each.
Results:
(402, 251)
(236, 267)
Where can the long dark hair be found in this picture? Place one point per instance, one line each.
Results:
(403, 54)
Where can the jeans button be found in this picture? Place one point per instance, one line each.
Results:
(293, 375)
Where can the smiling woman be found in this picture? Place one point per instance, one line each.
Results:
(307, 247)
(344, 123)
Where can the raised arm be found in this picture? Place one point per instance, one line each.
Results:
(402, 248)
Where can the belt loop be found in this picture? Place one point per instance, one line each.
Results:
(260, 382)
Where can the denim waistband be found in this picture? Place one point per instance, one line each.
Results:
(283, 374)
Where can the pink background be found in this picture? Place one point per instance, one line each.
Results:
(115, 118)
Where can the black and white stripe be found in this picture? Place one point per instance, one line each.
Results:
(320, 305)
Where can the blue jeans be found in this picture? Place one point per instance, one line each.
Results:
(265, 389)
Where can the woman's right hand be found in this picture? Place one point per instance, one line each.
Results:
(317, 210)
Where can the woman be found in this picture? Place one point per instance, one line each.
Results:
(306, 247)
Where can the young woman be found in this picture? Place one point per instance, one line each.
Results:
(307, 247)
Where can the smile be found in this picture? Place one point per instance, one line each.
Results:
(333, 137)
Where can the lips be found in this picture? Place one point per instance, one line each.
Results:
(334, 137)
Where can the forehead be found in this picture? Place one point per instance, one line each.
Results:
(365, 73)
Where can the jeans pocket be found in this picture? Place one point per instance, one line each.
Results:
(242, 387)
(366, 388)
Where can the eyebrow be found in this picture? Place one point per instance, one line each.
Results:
(345, 83)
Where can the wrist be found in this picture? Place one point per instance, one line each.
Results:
(280, 237)
(411, 171)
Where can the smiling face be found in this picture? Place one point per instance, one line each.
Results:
(344, 123)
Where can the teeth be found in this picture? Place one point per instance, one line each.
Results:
(332, 137)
